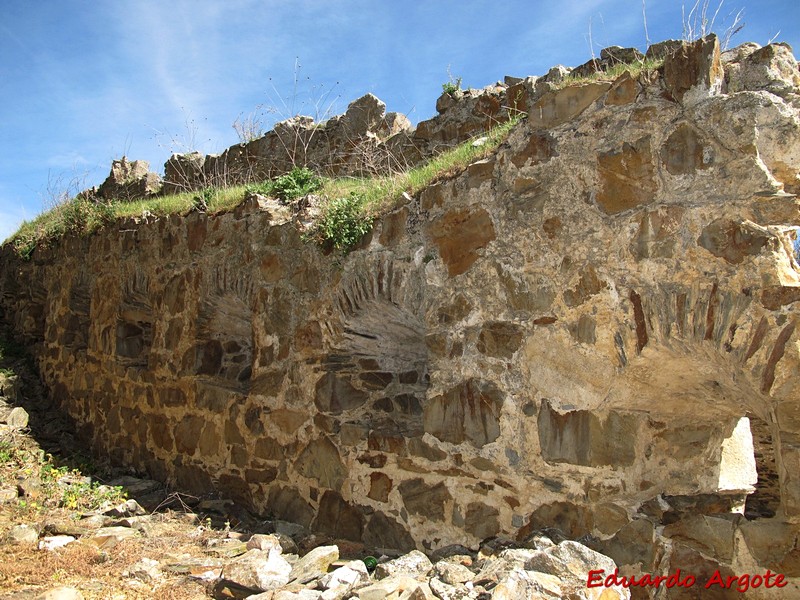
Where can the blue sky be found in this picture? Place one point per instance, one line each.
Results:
(85, 81)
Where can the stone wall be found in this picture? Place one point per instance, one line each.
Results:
(595, 329)
(363, 142)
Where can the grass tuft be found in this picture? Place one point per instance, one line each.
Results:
(636, 69)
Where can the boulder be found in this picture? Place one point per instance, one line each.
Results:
(314, 564)
(258, 570)
(341, 581)
(693, 71)
(772, 68)
(183, 172)
(17, 418)
(414, 564)
(396, 586)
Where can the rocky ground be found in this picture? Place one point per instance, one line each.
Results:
(72, 528)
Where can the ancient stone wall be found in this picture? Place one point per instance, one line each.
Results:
(594, 329)
(363, 142)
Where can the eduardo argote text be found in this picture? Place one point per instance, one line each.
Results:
(741, 583)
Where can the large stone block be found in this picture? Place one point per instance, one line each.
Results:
(321, 462)
(734, 241)
(557, 107)
(694, 66)
(685, 152)
(627, 177)
(459, 234)
(579, 437)
(335, 394)
(467, 412)
(421, 498)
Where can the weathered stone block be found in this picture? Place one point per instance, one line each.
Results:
(468, 412)
(684, 152)
(589, 285)
(499, 339)
(335, 394)
(580, 437)
(321, 462)
(657, 235)
(379, 487)
(734, 241)
(623, 91)
(459, 234)
(713, 536)
(555, 108)
(287, 503)
(627, 177)
(481, 520)
(541, 147)
(694, 65)
(424, 499)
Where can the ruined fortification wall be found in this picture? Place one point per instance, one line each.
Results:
(595, 329)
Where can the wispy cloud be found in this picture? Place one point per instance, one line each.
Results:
(67, 160)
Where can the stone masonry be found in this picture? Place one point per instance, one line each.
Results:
(595, 329)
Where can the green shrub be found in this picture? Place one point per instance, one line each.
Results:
(453, 86)
(344, 222)
(297, 183)
(265, 188)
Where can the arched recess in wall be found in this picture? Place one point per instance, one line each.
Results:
(76, 324)
(709, 357)
(134, 324)
(375, 368)
(223, 350)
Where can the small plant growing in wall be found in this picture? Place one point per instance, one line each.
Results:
(453, 85)
(344, 222)
(297, 183)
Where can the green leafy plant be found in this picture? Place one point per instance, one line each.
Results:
(344, 222)
(265, 188)
(204, 199)
(298, 182)
(452, 87)
(90, 495)
(61, 486)
(8, 453)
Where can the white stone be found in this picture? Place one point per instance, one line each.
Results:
(259, 570)
(17, 418)
(108, 537)
(398, 586)
(54, 542)
(264, 542)
(339, 583)
(145, 570)
(415, 564)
